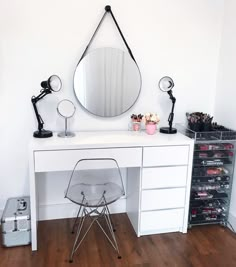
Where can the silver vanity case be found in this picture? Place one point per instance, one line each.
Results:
(16, 222)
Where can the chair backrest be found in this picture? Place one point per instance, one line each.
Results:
(95, 173)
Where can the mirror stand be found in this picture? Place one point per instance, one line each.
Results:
(66, 109)
(66, 133)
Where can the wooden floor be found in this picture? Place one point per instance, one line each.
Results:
(203, 246)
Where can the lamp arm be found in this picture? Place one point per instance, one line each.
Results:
(42, 94)
(171, 116)
(38, 117)
(34, 100)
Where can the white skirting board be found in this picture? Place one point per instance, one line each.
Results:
(232, 220)
(69, 210)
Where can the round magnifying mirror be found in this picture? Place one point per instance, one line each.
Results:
(166, 84)
(107, 82)
(66, 109)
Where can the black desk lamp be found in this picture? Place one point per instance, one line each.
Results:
(52, 84)
(166, 84)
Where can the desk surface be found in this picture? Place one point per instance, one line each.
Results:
(105, 139)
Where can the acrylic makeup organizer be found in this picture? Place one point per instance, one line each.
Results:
(212, 175)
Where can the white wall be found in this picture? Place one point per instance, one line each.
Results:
(179, 38)
(225, 108)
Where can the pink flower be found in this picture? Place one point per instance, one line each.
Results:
(151, 118)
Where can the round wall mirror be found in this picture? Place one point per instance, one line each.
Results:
(107, 82)
(66, 109)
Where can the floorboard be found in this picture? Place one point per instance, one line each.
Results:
(202, 246)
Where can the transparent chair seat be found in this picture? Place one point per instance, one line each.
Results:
(94, 195)
(93, 185)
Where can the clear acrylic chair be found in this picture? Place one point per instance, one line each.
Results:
(93, 185)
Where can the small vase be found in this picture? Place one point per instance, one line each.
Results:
(136, 126)
(150, 128)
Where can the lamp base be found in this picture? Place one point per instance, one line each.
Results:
(42, 134)
(166, 130)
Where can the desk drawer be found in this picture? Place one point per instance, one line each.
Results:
(163, 199)
(165, 156)
(164, 177)
(62, 160)
(161, 220)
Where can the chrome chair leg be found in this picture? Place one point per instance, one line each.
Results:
(113, 225)
(76, 219)
(110, 227)
(106, 215)
(103, 230)
(85, 214)
(81, 222)
(77, 243)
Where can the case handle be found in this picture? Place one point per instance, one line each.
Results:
(22, 205)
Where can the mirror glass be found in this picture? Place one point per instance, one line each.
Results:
(107, 82)
(66, 108)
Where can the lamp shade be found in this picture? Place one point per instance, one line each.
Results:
(53, 83)
(166, 84)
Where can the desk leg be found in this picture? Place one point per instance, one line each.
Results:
(33, 202)
(188, 189)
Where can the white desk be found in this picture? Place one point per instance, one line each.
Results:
(159, 173)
